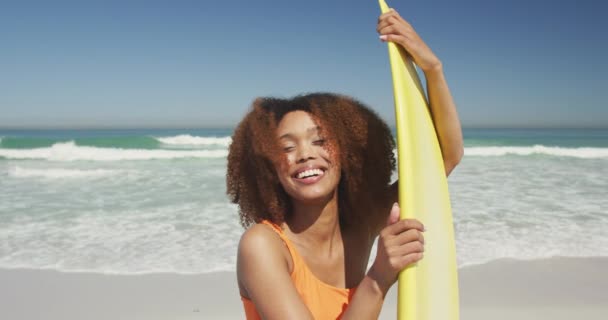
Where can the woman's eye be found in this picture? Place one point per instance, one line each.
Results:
(288, 148)
(319, 142)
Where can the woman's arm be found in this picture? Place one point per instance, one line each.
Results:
(263, 271)
(400, 244)
(445, 118)
(443, 109)
(264, 276)
(392, 27)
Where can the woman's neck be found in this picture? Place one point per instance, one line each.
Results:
(316, 225)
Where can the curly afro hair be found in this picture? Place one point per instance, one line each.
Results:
(363, 144)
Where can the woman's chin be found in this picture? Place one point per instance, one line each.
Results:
(311, 197)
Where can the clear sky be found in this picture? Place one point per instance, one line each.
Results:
(534, 63)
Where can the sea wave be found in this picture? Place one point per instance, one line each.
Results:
(163, 239)
(59, 173)
(188, 140)
(584, 153)
(69, 151)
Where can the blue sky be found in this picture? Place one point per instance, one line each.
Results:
(201, 63)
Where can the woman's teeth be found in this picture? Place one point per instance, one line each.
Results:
(309, 173)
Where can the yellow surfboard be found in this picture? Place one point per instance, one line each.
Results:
(429, 289)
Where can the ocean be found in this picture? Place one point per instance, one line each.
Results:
(150, 201)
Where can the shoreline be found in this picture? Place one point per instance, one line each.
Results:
(553, 288)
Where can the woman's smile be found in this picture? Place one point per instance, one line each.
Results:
(308, 171)
(309, 174)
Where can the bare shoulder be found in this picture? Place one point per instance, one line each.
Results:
(259, 240)
(264, 276)
(260, 248)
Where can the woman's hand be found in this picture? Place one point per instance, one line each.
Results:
(392, 27)
(400, 244)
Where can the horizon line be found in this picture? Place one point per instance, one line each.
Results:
(18, 128)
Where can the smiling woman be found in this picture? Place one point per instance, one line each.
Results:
(314, 173)
(311, 176)
(273, 144)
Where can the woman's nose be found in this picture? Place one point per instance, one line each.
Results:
(305, 153)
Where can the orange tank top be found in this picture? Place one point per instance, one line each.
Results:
(323, 300)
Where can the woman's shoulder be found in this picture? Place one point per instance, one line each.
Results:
(259, 237)
(260, 240)
(261, 248)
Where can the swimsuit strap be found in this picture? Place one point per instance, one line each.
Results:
(277, 229)
(300, 268)
(323, 301)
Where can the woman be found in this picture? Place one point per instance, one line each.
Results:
(311, 176)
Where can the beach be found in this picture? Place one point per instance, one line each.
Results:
(135, 224)
(557, 288)
(117, 120)
(552, 289)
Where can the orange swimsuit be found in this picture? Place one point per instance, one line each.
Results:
(323, 301)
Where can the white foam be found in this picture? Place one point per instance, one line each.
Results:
(174, 217)
(188, 140)
(584, 153)
(69, 151)
(58, 173)
(139, 241)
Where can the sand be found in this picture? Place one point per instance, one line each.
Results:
(556, 288)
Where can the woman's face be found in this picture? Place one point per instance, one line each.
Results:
(308, 172)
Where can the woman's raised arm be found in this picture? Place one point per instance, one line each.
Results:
(392, 27)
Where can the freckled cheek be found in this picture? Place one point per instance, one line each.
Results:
(284, 164)
(332, 155)
(288, 161)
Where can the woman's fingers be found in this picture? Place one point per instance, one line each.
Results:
(391, 18)
(396, 15)
(405, 249)
(385, 23)
(393, 28)
(393, 216)
(390, 13)
(400, 263)
(403, 255)
(406, 237)
(402, 40)
(401, 226)
(401, 242)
